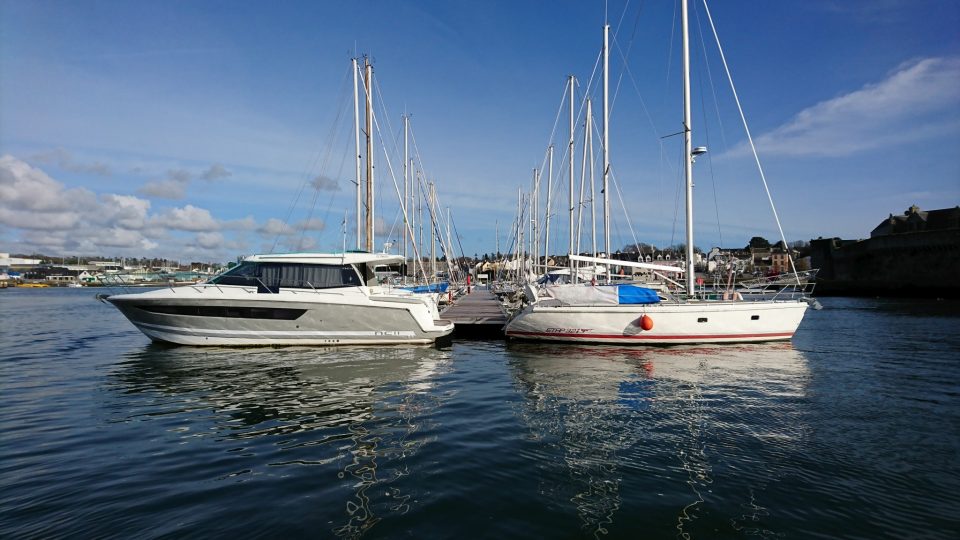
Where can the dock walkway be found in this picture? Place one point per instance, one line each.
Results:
(477, 314)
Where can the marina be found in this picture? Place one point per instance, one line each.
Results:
(848, 430)
(479, 270)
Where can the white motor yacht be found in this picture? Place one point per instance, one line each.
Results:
(289, 299)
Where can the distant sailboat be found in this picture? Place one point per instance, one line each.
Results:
(632, 314)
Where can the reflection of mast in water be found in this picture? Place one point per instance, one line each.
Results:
(575, 399)
(693, 456)
(390, 440)
(682, 373)
(294, 407)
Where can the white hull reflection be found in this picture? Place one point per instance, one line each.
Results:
(663, 410)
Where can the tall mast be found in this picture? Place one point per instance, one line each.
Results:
(433, 241)
(534, 226)
(406, 185)
(449, 249)
(687, 146)
(367, 86)
(570, 154)
(587, 140)
(356, 130)
(546, 236)
(519, 233)
(588, 155)
(606, 143)
(419, 220)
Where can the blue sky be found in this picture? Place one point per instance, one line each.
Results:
(187, 130)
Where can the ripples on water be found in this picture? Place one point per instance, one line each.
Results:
(852, 430)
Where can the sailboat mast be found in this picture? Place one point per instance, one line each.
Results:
(519, 233)
(534, 226)
(406, 185)
(606, 144)
(449, 249)
(570, 156)
(356, 130)
(433, 240)
(546, 219)
(588, 157)
(687, 146)
(583, 175)
(369, 125)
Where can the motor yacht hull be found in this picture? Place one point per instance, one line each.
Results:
(673, 323)
(229, 316)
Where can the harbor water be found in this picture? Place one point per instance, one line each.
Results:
(852, 430)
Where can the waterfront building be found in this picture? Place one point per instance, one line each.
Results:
(913, 254)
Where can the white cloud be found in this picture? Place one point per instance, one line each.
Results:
(274, 227)
(38, 212)
(125, 211)
(23, 187)
(245, 224)
(209, 240)
(164, 189)
(900, 109)
(188, 218)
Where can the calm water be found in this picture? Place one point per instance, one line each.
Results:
(851, 431)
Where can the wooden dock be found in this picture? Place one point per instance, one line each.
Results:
(477, 314)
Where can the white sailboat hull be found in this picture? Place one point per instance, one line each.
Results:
(673, 323)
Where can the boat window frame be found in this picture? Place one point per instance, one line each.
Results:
(273, 275)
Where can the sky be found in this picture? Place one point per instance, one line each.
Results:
(207, 130)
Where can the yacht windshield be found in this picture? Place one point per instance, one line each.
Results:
(289, 275)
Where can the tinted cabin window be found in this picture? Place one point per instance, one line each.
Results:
(289, 275)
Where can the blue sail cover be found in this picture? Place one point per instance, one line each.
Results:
(632, 294)
(432, 288)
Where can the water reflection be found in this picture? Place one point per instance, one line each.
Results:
(648, 418)
(356, 414)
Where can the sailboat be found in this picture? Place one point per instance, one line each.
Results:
(634, 314)
(295, 298)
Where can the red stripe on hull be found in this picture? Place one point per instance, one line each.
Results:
(651, 338)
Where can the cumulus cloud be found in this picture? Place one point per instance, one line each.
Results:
(274, 227)
(324, 183)
(51, 216)
(245, 224)
(215, 172)
(905, 107)
(64, 160)
(24, 187)
(126, 211)
(117, 237)
(188, 218)
(174, 184)
(312, 224)
(209, 240)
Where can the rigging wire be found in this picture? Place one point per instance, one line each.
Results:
(753, 147)
(306, 174)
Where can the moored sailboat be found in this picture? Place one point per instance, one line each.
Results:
(618, 313)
